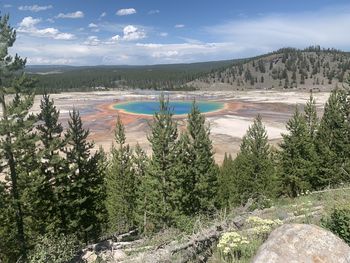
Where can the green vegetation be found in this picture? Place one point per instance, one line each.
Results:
(158, 77)
(287, 68)
(311, 68)
(54, 249)
(339, 222)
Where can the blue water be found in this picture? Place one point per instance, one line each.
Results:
(179, 107)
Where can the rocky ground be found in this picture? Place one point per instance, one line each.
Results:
(297, 236)
(227, 126)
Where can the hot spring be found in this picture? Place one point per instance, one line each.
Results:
(178, 107)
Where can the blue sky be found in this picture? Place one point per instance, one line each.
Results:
(137, 32)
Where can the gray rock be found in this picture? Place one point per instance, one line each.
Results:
(89, 256)
(295, 243)
(118, 255)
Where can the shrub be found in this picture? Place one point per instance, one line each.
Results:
(184, 223)
(54, 249)
(261, 228)
(236, 247)
(233, 246)
(339, 223)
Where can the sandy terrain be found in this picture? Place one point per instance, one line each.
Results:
(227, 126)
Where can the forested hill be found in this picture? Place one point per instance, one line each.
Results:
(159, 77)
(287, 68)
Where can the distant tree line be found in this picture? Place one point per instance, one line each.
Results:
(157, 77)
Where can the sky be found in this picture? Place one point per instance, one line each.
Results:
(144, 32)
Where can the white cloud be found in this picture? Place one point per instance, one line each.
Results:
(96, 51)
(34, 8)
(126, 12)
(115, 38)
(163, 34)
(103, 14)
(49, 61)
(92, 41)
(7, 6)
(74, 15)
(328, 28)
(153, 12)
(50, 20)
(92, 25)
(133, 33)
(163, 54)
(29, 22)
(179, 26)
(29, 26)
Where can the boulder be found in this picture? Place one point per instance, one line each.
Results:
(294, 243)
(118, 255)
(89, 257)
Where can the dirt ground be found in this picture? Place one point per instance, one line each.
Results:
(227, 126)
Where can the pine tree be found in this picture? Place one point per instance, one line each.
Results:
(121, 192)
(52, 178)
(226, 182)
(298, 157)
(146, 199)
(312, 120)
(17, 143)
(203, 163)
(163, 139)
(332, 141)
(86, 186)
(8, 252)
(187, 198)
(254, 165)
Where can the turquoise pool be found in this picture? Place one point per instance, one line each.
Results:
(179, 107)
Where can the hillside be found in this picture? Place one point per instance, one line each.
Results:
(84, 78)
(311, 68)
(202, 243)
(287, 68)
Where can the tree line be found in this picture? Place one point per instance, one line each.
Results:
(55, 187)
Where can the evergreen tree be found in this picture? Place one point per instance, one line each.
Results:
(146, 198)
(226, 182)
(254, 166)
(8, 252)
(203, 163)
(188, 201)
(312, 120)
(333, 142)
(121, 192)
(163, 139)
(298, 157)
(51, 203)
(17, 143)
(86, 186)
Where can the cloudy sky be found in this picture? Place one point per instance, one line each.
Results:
(138, 32)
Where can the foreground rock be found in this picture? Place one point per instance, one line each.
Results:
(292, 243)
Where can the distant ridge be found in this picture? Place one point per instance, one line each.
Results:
(287, 68)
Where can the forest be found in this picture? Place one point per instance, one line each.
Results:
(157, 77)
(287, 68)
(57, 192)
